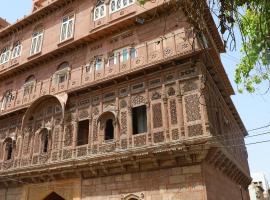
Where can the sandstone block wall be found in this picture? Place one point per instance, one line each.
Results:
(164, 184)
(219, 186)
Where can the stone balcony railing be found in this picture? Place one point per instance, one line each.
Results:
(148, 54)
(138, 144)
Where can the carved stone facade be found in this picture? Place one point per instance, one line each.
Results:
(131, 117)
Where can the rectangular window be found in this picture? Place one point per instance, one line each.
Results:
(67, 28)
(139, 120)
(83, 132)
(5, 55)
(16, 52)
(124, 55)
(133, 53)
(98, 64)
(99, 12)
(62, 78)
(36, 42)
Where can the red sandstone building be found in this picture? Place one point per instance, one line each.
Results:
(112, 100)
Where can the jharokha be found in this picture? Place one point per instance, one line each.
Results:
(114, 100)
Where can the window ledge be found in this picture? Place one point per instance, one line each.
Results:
(34, 55)
(65, 41)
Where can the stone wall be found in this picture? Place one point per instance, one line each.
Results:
(164, 184)
(219, 186)
(11, 193)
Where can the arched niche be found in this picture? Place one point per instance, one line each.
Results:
(108, 124)
(132, 197)
(37, 104)
(8, 148)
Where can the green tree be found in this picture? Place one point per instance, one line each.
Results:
(255, 29)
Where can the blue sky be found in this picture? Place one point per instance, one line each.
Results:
(254, 109)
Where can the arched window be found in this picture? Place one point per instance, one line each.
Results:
(116, 5)
(67, 27)
(8, 145)
(37, 38)
(7, 98)
(29, 85)
(44, 141)
(5, 55)
(16, 51)
(61, 75)
(100, 10)
(109, 130)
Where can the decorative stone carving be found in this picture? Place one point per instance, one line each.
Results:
(95, 130)
(171, 91)
(157, 115)
(83, 114)
(37, 141)
(68, 135)
(25, 162)
(156, 95)
(43, 158)
(109, 107)
(67, 153)
(124, 144)
(107, 147)
(35, 159)
(54, 156)
(138, 100)
(26, 143)
(192, 106)
(81, 151)
(195, 130)
(167, 52)
(159, 137)
(173, 111)
(123, 103)
(7, 164)
(95, 149)
(96, 111)
(139, 140)
(123, 122)
(56, 138)
(189, 86)
(175, 134)
(188, 72)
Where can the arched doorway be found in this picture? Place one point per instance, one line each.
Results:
(53, 196)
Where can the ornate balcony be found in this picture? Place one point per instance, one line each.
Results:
(147, 55)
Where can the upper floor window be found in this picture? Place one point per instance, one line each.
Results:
(61, 75)
(29, 85)
(7, 98)
(8, 144)
(44, 141)
(5, 55)
(83, 132)
(67, 27)
(120, 4)
(122, 55)
(100, 11)
(98, 63)
(17, 48)
(37, 38)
